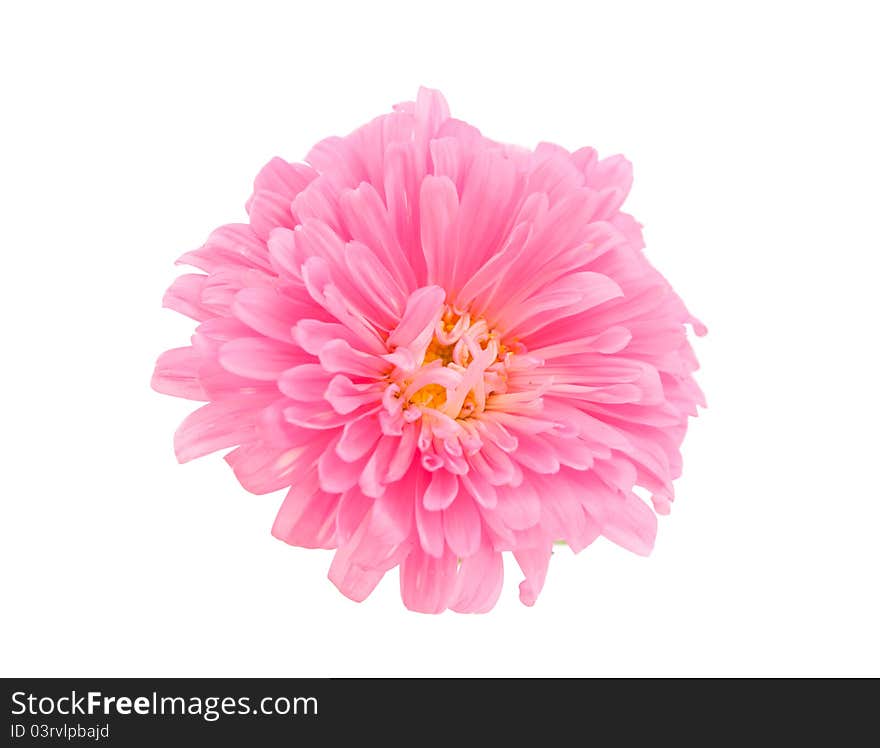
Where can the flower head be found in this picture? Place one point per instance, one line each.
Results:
(444, 348)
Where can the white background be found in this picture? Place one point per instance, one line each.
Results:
(128, 133)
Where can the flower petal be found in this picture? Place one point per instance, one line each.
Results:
(520, 507)
(305, 382)
(346, 397)
(427, 584)
(232, 245)
(337, 475)
(258, 358)
(461, 526)
(185, 296)
(268, 210)
(478, 487)
(534, 563)
(479, 582)
(429, 525)
(358, 437)
(217, 425)
(392, 517)
(261, 468)
(339, 356)
(439, 228)
(284, 178)
(367, 220)
(423, 308)
(177, 373)
(354, 580)
(630, 523)
(441, 491)
(353, 507)
(269, 312)
(307, 517)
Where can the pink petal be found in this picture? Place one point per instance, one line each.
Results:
(498, 434)
(403, 456)
(220, 287)
(275, 430)
(613, 172)
(371, 476)
(404, 170)
(220, 384)
(354, 580)
(574, 453)
(217, 425)
(283, 178)
(285, 256)
(312, 335)
(536, 453)
(461, 526)
(304, 382)
(489, 194)
(427, 584)
(630, 523)
(431, 112)
(570, 295)
(337, 475)
(439, 228)
(519, 507)
(338, 156)
(423, 309)
(233, 245)
(307, 517)
(534, 563)
(258, 358)
(320, 202)
(429, 525)
(447, 157)
(177, 373)
(262, 469)
(314, 414)
(212, 333)
(368, 222)
(268, 210)
(346, 397)
(374, 553)
(502, 537)
(392, 517)
(441, 491)
(269, 312)
(481, 287)
(358, 437)
(353, 507)
(501, 470)
(562, 514)
(374, 281)
(478, 487)
(185, 296)
(339, 356)
(479, 583)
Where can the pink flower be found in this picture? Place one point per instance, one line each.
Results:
(444, 348)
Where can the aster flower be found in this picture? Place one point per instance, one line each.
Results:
(444, 348)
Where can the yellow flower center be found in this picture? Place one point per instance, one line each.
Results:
(430, 396)
(473, 354)
(437, 351)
